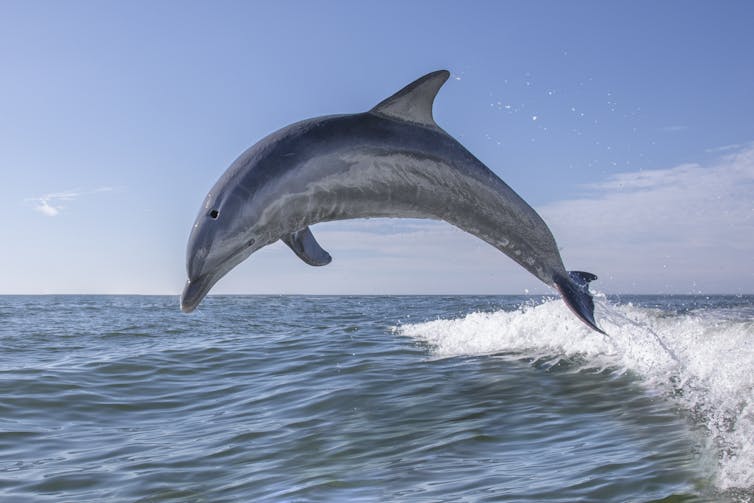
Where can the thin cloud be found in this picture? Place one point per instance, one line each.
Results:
(724, 148)
(673, 129)
(44, 207)
(53, 203)
(689, 228)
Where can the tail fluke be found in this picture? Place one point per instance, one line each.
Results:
(575, 292)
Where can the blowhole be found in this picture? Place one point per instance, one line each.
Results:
(214, 214)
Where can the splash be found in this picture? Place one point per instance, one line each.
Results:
(702, 359)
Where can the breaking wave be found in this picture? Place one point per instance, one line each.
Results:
(699, 358)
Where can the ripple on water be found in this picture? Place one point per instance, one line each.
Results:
(318, 399)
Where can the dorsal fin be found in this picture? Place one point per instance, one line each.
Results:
(413, 103)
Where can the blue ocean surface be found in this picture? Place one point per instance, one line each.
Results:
(384, 398)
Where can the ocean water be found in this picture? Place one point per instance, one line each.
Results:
(409, 398)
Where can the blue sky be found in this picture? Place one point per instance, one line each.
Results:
(628, 125)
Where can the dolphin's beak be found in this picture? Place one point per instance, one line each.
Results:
(194, 292)
(197, 288)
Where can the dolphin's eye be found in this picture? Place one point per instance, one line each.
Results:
(214, 214)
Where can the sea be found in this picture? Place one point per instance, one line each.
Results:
(376, 398)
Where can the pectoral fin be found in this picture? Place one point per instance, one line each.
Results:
(306, 247)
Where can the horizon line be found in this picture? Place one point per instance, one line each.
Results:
(553, 294)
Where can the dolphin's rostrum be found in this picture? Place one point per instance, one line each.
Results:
(392, 161)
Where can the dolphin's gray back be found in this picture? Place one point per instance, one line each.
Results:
(368, 165)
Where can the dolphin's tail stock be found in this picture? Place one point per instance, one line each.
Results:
(575, 291)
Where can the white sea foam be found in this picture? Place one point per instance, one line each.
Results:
(702, 359)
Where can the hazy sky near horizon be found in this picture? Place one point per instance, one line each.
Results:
(627, 125)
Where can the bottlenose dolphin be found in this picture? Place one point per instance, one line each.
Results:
(392, 161)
